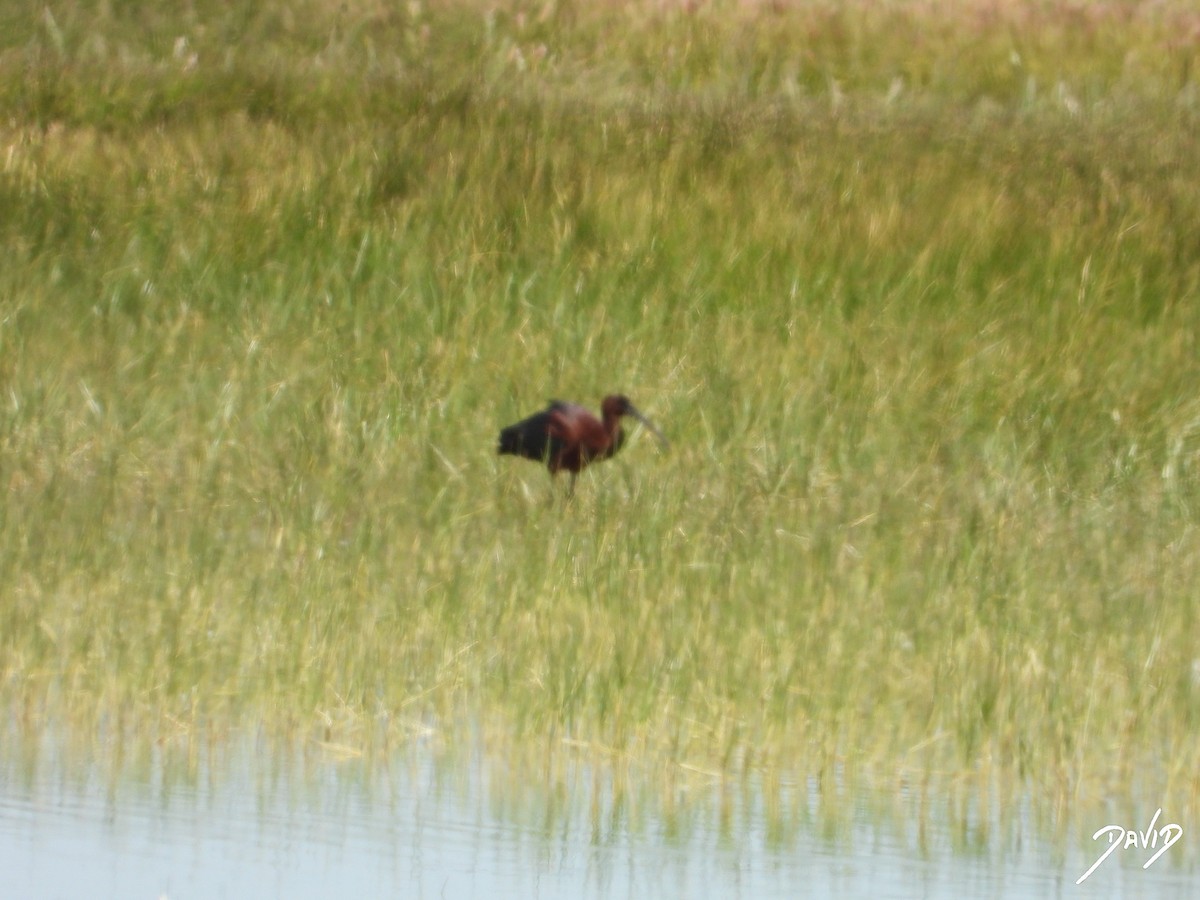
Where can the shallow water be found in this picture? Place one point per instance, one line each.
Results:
(251, 824)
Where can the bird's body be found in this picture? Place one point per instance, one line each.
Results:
(569, 436)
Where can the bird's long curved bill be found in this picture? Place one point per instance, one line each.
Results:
(662, 438)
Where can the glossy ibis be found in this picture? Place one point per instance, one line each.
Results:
(568, 436)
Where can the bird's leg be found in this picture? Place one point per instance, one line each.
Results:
(571, 486)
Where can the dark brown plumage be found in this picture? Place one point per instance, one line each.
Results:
(568, 436)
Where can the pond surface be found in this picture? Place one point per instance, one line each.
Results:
(249, 824)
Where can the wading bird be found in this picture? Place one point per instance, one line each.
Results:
(568, 436)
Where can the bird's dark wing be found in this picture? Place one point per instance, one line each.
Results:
(531, 437)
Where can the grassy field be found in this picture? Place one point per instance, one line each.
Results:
(913, 290)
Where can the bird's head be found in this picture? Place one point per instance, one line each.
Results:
(616, 405)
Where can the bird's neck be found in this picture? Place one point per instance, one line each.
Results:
(616, 434)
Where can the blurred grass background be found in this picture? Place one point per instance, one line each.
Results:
(912, 289)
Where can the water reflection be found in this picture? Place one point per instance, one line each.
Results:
(250, 820)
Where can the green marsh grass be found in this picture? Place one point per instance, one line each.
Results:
(914, 296)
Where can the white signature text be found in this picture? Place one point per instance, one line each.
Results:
(1125, 838)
